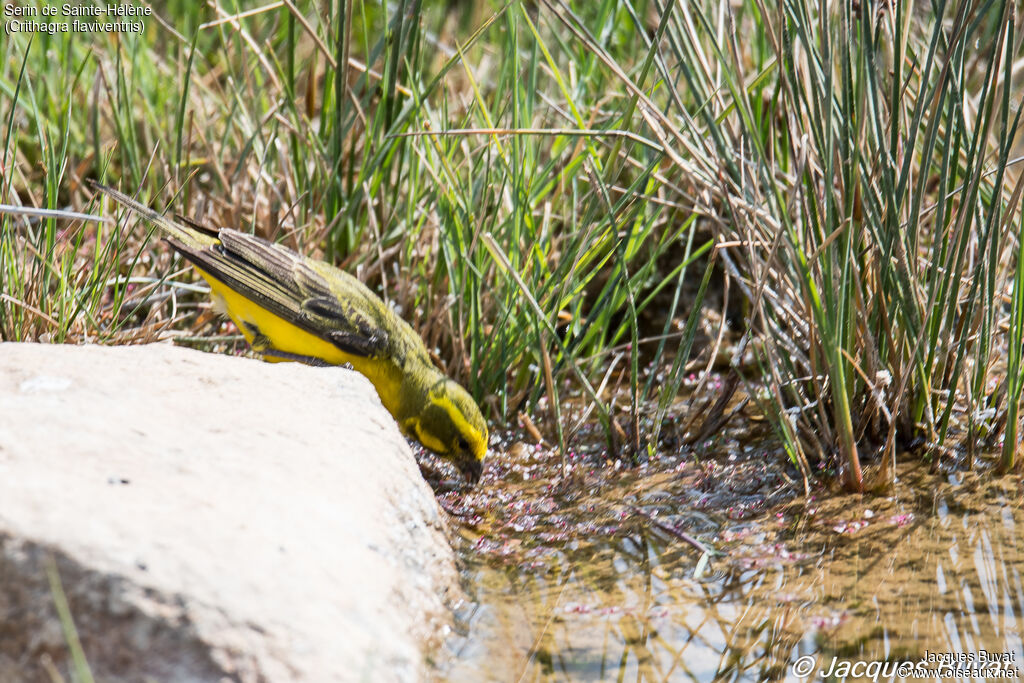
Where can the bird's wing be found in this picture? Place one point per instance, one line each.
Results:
(285, 284)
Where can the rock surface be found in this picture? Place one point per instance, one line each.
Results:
(211, 518)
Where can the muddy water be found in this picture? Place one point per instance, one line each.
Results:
(615, 574)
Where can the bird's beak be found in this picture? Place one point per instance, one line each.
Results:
(471, 469)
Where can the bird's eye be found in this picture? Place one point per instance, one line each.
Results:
(463, 444)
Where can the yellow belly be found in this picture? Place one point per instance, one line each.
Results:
(287, 337)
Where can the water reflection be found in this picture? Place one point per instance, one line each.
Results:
(569, 584)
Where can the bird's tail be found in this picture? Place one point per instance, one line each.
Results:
(187, 233)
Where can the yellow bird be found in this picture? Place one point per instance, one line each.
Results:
(293, 308)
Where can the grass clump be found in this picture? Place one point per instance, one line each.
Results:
(548, 192)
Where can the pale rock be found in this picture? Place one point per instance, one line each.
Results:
(212, 518)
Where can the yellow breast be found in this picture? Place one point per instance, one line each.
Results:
(276, 333)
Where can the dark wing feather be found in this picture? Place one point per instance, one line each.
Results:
(283, 282)
(198, 227)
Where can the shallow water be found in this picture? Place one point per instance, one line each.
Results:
(601, 574)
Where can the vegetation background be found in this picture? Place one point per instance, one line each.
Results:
(568, 199)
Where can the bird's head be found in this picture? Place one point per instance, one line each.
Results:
(451, 425)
